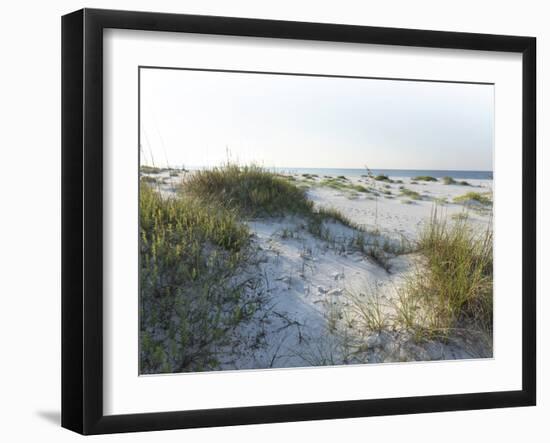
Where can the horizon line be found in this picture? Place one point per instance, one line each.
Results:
(320, 167)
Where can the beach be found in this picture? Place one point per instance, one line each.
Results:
(334, 298)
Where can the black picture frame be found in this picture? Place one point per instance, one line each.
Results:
(82, 215)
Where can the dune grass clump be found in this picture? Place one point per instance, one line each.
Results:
(359, 188)
(451, 181)
(192, 282)
(382, 178)
(150, 180)
(317, 222)
(341, 185)
(334, 184)
(310, 176)
(481, 198)
(424, 178)
(333, 214)
(453, 288)
(144, 169)
(410, 194)
(250, 190)
(448, 180)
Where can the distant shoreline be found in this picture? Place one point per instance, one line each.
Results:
(394, 173)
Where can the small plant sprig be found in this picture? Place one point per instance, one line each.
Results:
(372, 179)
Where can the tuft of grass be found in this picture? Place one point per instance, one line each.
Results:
(448, 180)
(454, 285)
(424, 178)
(382, 178)
(460, 216)
(368, 309)
(317, 219)
(451, 181)
(150, 180)
(251, 190)
(310, 176)
(193, 289)
(411, 194)
(359, 188)
(340, 185)
(481, 198)
(334, 214)
(144, 169)
(334, 184)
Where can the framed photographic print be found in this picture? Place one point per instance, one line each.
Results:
(269, 221)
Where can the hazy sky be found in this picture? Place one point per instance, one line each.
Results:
(195, 118)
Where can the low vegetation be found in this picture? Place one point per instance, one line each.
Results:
(424, 178)
(144, 169)
(149, 179)
(250, 190)
(193, 288)
(451, 181)
(253, 192)
(310, 176)
(484, 199)
(453, 287)
(196, 254)
(410, 194)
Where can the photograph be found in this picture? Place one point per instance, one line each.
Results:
(295, 220)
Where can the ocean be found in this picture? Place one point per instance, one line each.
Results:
(475, 175)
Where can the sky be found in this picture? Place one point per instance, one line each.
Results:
(203, 119)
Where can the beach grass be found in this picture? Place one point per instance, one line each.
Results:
(406, 192)
(251, 190)
(382, 178)
(481, 198)
(341, 185)
(447, 180)
(145, 169)
(453, 287)
(149, 179)
(192, 284)
(424, 178)
(451, 181)
(254, 192)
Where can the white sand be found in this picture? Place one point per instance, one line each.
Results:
(308, 318)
